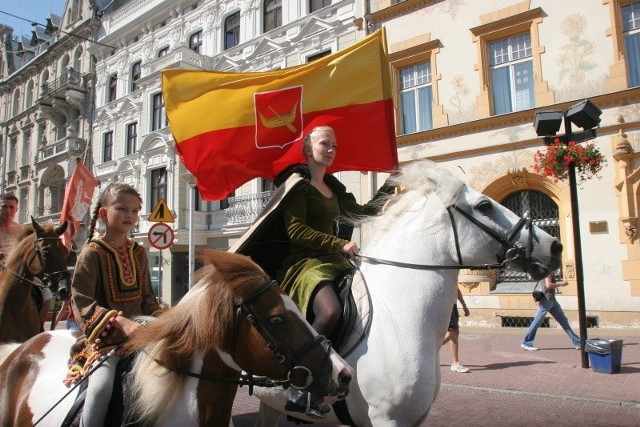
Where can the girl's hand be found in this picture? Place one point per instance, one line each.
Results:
(350, 250)
(117, 330)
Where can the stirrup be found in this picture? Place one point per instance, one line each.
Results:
(298, 401)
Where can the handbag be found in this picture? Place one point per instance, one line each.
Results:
(537, 295)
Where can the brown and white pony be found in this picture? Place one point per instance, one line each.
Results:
(39, 254)
(190, 359)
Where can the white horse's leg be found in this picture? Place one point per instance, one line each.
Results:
(267, 416)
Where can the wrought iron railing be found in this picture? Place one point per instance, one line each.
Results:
(245, 209)
(70, 77)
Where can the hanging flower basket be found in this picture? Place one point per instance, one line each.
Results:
(555, 160)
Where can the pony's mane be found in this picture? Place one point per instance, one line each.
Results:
(201, 322)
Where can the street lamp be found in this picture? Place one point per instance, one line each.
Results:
(585, 115)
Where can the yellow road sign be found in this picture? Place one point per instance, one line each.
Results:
(161, 213)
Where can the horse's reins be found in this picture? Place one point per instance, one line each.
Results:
(249, 379)
(515, 249)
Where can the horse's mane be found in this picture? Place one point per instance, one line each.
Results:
(417, 179)
(202, 321)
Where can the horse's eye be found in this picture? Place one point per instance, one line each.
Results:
(276, 320)
(484, 206)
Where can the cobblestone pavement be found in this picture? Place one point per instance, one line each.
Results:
(508, 386)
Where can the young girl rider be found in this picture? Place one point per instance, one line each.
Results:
(111, 284)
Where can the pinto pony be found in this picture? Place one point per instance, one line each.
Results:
(39, 254)
(188, 362)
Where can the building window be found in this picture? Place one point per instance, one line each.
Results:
(416, 98)
(317, 56)
(631, 29)
(13, 157)
(107, 147)
(232, 30)
(202, 205)
(113, 86)
(415, 81)
(162, 52)
(26, 148)
(132, 138)
(158, 185)
(226, 202)
(266, 185)
(16, 103)
(511, 72)
(318, 4)
(159, 118)
(195, 42)
(510, 63)
(272, 14)
(136, 73)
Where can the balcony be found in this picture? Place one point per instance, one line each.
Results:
(25, 173)
(181, 57)
(63, 149)
(11, 178)
(245, 209)
(70, 88)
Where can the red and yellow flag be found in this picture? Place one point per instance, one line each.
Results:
(77, 200)
(232, 127)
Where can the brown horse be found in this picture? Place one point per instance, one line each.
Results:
(190, 360)
(39, 254)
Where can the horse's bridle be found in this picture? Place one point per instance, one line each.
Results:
(249, 379)
(52, 277)
(47, 278)
(512, 252)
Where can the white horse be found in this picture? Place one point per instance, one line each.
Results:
(430, 231)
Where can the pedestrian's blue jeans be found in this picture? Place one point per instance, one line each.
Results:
(552, 307)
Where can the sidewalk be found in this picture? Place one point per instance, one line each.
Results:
(508, 386)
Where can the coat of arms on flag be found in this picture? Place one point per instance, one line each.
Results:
(278, 117)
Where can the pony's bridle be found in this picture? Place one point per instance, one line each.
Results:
(513, 251)
(249, 379)
(292, 363)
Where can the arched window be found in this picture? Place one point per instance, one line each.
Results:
(543, 212)
(16, 103)
(44, 88)
(136, 73)
(77, 60)
(232, 30)
(29, 94)
(112, 90)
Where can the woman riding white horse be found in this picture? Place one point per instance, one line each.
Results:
(410, 266)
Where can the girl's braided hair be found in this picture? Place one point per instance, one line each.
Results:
(108, 198)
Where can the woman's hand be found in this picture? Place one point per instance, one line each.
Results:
(350, 250)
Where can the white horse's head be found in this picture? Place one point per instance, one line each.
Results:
(463, 225)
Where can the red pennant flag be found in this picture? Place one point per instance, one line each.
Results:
(232, 127)
(77, 200)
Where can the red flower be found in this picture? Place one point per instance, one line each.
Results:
(554, 162)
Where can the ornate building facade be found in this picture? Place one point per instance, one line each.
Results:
(46, 108)
(468, 78)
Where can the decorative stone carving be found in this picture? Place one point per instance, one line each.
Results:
(518, 178)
